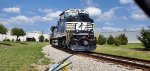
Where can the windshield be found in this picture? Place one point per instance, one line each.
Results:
(72, 14)
(81, 17)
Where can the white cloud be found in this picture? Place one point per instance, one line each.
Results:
(110, 29)
(135, 27)
(107, 15)
(3, 15)
(21, 19)
(12, 10)
(137, 14)
(37, 18)
(97, 30)
(52, 15)
(99, 15)
(116, 29)
(108, 23)
(93, 11)
(126, 1)
(107, 29)
(3, 21)
(89, 2)
(124, 18)
(45, 10)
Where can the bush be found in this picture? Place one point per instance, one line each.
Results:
(41, 38)
(145, 38)
(110, 40)
(116, 41)
(6, 40)
(18, 39)
(123, 39)
(33, 39)
(46, 40)
(101, 40)
(96, 40)
(12, 40)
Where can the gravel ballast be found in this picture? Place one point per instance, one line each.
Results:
(80, 63)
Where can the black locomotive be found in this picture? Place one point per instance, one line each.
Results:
(74, 31)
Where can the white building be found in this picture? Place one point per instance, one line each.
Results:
(23, 38)
(131, 35)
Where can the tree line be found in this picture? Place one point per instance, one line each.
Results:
(118, 40)
(123, 40)
(18, 32)
(14, 31)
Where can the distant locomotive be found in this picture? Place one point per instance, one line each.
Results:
(74, 31)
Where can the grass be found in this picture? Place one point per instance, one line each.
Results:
(131, 50)
(19, 56)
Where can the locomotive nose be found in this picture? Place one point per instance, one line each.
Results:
(85, 42)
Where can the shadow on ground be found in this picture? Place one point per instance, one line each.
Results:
(7, 44)
(140, 49)
(22, 43)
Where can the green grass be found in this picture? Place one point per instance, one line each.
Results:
(19, 56)
(130, 50)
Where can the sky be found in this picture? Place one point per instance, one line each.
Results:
(40, 15)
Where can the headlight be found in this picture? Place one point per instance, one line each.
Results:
(76, 30)
(85, 42)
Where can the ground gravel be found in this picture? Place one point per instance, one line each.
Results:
(80, 63)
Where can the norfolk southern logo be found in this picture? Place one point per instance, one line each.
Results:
(80, 26)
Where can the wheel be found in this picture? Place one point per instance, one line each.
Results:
(64, 43)
(59, 42)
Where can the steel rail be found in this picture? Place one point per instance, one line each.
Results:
(132, 62)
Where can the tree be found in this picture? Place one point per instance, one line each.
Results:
(110, 40)
(123, 39)
(12, 40)
(46, 40)
(145, 38)
(19, 39)
(17, 32)
(52, 28)
(41, 38)
(96, 38)
(33, 39)
(6, 40)
(101, 40)
(117, 41)
(3, 30)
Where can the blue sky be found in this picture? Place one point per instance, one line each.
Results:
(38, 15)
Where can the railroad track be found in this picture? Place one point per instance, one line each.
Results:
(125, 61)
